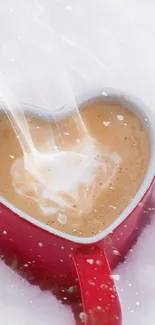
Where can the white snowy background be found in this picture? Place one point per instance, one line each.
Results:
(51, 50)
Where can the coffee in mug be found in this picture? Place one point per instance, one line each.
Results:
(84, 193)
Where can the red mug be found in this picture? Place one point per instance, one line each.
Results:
(52, 259)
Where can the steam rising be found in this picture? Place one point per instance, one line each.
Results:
(58, 179)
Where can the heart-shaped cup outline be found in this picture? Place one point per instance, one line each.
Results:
(108, 95)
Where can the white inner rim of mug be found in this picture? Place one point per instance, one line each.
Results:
(107, 95)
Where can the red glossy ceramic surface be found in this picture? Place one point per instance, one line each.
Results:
(66, 264)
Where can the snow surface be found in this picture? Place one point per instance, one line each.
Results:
(104, 43)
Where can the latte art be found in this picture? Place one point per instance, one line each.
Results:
(70, 177)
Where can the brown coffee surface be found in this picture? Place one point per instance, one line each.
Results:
(117, 131)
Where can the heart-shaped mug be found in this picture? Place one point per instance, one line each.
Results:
(54, 259)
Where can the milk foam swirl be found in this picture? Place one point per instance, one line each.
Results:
(70, 180)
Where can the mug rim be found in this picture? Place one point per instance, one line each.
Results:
(109, 95)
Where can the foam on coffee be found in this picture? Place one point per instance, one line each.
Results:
(84, 195)
(63, 176)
